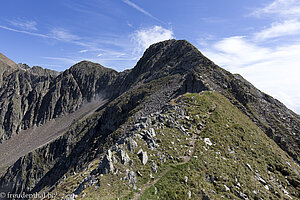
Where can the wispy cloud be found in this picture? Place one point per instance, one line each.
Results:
(62, 59)
(29, 25)
(83, 51)
(143, 38)
(84, 7)
(286, 28)
(138, 8)
(282, 8)
(25, 32)
(64, 35)
(57, 34)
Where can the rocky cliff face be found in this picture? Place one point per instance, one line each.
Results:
(166, 70)
(33, 96)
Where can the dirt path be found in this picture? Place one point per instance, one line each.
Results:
(185, 160)
(28, 140)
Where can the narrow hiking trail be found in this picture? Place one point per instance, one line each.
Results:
(186, 159)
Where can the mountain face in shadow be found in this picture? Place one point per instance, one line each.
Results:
(167, 72)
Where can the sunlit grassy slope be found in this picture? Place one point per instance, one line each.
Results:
(231, 158)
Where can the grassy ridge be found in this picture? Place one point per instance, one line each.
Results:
(229, 168)
(231, 159)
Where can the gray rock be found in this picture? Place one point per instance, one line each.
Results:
(123, 156)
(154, 167)
(260, 179)
(139, 173)
(143, 125)
(243, 196)
(226, 188)
(209, 178)
(186, 179)
(189, 194)
(106, 165)
(207, 141)
(131, 178)
(205, 196)
(145, 120)
(132, 145)
(143, 156)
(249, 166)
(151, 132)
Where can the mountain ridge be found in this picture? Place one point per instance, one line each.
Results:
(166, 70)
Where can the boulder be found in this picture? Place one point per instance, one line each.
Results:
(207, 141)
(131, 178)
(106, 165)
(123, 156)
(154, 167)
(132, 145)
(143, 156)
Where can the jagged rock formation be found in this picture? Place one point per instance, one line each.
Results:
(33, 96)
(166, 70)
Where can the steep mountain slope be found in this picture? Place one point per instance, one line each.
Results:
(166, 70)
(33, 96)
(198, 146)
(6, 63)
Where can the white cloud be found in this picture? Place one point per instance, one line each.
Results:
(100, 54)
(83, 51)
(273, 70)
(63, 34)
(143, 38)
(286, 28)
(24, 24)
(282, 8)
(271, 65)
(238, 51)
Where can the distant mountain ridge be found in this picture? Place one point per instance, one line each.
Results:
(167, 70)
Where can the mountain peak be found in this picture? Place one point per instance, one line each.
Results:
(169, 53)
(89, 67)
(167, 58)
(173, 43)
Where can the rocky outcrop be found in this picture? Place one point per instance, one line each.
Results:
(106, 165)
(143, 156)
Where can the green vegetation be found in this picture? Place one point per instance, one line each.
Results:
(240, 162)
(240, 151)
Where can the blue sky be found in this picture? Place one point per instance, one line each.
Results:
(258, 39)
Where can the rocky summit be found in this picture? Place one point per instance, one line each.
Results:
(176, 126)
